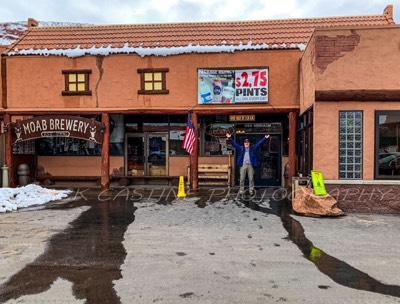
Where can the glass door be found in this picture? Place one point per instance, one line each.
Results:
(271, 161)
(157, 154)
(269, 155)
(146, 154)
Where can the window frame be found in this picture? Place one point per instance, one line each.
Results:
(378, 176)
(163, 81)
(67, 92)
(361, 157)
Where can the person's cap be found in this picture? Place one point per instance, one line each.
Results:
(246, 140)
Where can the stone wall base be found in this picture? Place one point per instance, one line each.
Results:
(383, 199)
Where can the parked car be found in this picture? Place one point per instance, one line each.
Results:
(389, 163)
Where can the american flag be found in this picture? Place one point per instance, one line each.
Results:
(189, 139)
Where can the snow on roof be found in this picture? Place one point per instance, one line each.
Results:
(157, 51)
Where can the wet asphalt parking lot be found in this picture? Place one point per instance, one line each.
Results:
(146, 246)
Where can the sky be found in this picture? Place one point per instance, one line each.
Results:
(171, 11)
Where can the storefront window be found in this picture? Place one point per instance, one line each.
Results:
(350, 145)
(58, 146)
(117, 134)
(24, 147)
(388, 144)
(177, 129)
(215, 139)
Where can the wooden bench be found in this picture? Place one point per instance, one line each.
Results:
(146, 178)
(213, 175)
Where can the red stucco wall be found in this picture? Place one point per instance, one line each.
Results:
(373, 63)
(37, 82)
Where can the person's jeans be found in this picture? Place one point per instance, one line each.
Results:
(249, 170)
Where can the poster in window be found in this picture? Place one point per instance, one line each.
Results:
(233, 86)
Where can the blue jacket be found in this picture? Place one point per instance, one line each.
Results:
(241, 150)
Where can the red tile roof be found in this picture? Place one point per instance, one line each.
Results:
(270, 32)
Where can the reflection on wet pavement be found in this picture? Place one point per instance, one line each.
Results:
(339, 271)
(88, 254)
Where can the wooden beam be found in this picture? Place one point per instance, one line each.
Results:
(8, 150)
(105, 153)
(199, 110)
(357, 95)
(194, 158)
(292, 145)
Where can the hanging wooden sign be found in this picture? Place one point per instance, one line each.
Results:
(57, 126)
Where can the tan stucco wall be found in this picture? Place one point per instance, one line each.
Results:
(72, 165)
(326, 129)
(178, 165)
(307, 78)
(118, 84)
(373, 64)
(357, 59)
(345, 60)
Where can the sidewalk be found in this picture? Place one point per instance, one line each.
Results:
(201, 249)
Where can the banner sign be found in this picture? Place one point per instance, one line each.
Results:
(57, 126)
(233, 86)
(318, 183)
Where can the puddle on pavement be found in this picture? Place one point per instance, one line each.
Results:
(337, 270)
(89, 254)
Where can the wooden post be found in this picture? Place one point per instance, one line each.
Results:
(105, 153)
(292, 144)
(8, 150)
(194, 158)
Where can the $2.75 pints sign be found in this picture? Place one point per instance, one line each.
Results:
(233, 86)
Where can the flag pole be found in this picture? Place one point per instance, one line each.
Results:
(194, 157)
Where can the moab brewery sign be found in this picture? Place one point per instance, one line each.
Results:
(57, 126)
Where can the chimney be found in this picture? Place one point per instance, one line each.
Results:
(388, 11)
(32, 23)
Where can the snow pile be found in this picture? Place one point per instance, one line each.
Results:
(13, 198)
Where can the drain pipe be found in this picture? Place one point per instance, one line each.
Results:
(5, 176)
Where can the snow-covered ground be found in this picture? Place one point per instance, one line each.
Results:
(12, 199)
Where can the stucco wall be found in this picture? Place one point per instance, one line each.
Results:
(72, 165)
(307, 77)
(326, 129)
(346, 60)
(37, 82)
(357, 59)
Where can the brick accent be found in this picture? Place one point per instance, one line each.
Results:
(329, 49)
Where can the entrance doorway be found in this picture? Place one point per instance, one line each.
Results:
(146, 154)
(269, 155)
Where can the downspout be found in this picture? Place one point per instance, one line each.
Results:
(3, 82)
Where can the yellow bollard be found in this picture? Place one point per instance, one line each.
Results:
(181, 187)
